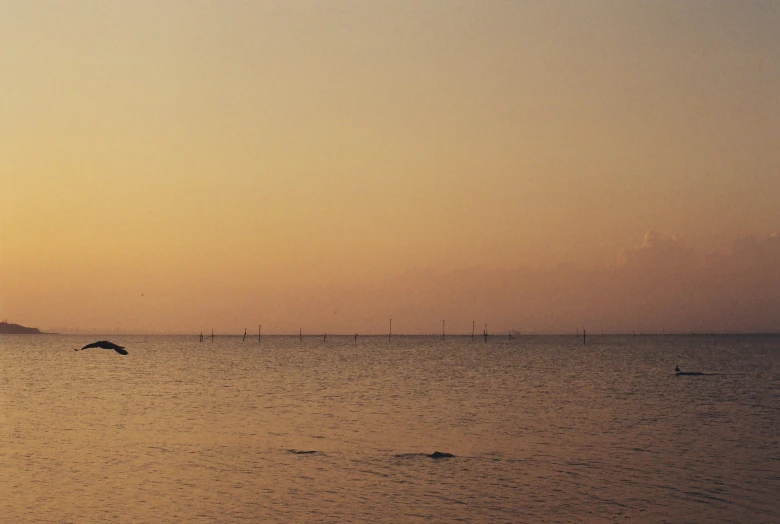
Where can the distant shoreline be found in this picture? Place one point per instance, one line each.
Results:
(16, 329)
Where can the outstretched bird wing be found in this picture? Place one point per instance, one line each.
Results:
(105, 344)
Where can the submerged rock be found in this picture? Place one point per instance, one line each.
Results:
(439, 455)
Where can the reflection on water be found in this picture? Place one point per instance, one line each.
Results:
(541, 429)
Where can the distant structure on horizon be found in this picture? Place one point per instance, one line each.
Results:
(16, 329)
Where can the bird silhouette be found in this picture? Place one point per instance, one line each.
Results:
(105, 344)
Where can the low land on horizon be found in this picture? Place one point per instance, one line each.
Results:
(16, 329)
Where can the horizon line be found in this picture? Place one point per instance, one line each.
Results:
(514, 334)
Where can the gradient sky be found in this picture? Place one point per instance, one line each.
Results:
(331, 164)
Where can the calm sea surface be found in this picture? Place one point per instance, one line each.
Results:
(543, 429)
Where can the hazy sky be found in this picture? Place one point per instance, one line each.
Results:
(331, 164)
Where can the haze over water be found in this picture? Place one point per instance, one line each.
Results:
(543, 429)
(537, 167)
(540, 166)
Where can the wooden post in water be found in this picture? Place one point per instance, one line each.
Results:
(472, 329)
(442, 329)
(486, 333)
(300, 334)
(244, 339)
(201, 336)
(212, 334)
(390, 334)
(324, 337)
(259, 331)
(583, 336)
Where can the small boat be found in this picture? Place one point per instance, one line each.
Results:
(689, 373)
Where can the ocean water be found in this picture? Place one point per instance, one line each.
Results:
(542, 429)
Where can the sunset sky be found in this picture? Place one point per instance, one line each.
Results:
(177, 166)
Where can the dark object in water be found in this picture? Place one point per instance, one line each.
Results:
(105, 344)
(440, 455)
(689, 373)
(301, 452)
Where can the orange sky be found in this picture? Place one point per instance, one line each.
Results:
(328, 165)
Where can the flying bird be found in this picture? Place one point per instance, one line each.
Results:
(105, 344)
